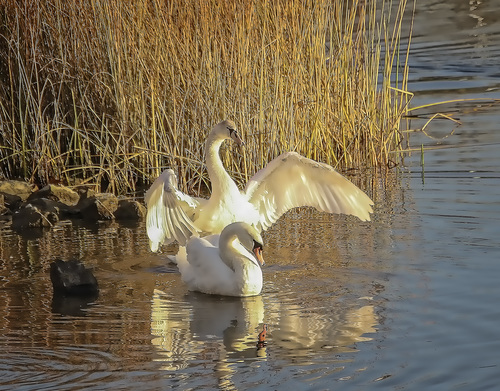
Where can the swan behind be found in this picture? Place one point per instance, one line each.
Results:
(233, 268)
(288, 181)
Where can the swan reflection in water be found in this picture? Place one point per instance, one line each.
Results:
(205, 327)
(221, 330)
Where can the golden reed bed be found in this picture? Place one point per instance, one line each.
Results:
(110, 92)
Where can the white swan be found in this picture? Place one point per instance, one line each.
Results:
(288, 181)
(231, 268)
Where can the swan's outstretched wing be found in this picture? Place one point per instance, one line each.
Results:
(291, 180)
(168, 212)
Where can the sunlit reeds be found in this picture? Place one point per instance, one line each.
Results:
(111, 92)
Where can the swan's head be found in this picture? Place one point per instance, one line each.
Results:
(257, 251)
(247, 235)
(227, 130)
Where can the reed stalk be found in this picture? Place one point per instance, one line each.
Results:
(109, 93)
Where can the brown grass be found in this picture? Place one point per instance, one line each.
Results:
(111, 92)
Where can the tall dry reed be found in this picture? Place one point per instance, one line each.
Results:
(111, 92)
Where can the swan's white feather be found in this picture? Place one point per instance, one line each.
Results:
(167, 219)
(235, 272)
(291, 180)
(202, 269)
(287, 182)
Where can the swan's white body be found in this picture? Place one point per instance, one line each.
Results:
(287, 182)
(231, 268)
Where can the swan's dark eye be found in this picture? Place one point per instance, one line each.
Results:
(257, 245)
(233, 134)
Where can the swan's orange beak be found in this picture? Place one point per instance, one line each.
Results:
(258, 254)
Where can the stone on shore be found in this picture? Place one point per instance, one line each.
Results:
(17, 188)
(130, 210)
(101, 206)
(37, 214)
(56, 193)
(52, 203)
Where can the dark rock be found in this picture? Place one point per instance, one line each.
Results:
(130, 210)
(102, 206)
(56, 193)
(72, 278)
(48, 205)
(84, 192)
(107, 204)
(17, 188)
(36, 214)
(44, 207)
(11, 202)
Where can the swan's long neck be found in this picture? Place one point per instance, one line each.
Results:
(247, 278)
(247, 273)
(229, 252)
(220, 179)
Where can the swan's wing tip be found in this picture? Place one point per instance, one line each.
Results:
(291, 180)
(154, 246)
(166, 218)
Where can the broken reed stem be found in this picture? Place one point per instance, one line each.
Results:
(111, 93)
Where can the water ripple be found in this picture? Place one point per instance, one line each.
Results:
(54, 369)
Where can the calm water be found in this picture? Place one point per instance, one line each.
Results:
(408, 301)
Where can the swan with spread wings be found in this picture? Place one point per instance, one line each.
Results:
(288, 181)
